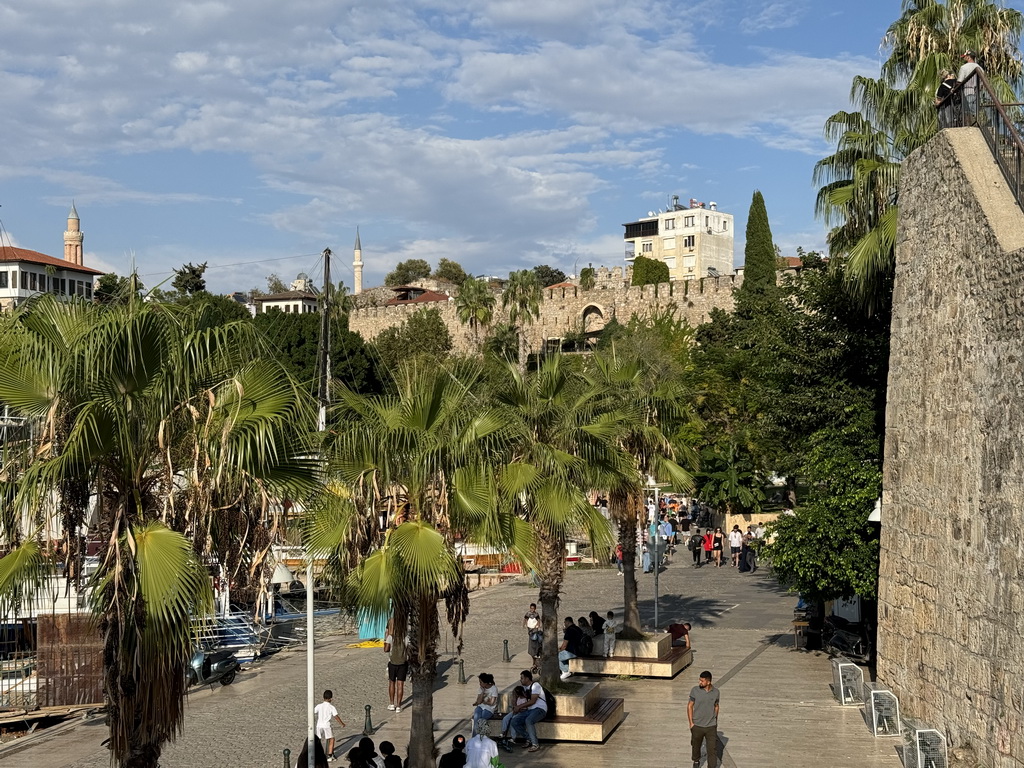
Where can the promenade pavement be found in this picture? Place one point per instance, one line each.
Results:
(777, 709)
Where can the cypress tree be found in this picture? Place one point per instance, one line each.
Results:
(760, 262)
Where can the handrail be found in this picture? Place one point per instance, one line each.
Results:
(973, 103)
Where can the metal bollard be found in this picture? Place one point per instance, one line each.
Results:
(505, 657)
(368, 725)
(287, 758)
(462, 672)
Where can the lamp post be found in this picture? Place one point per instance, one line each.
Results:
(656, 528)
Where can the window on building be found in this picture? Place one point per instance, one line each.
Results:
(725, 225)
(24, 281)
(689, 221)
(3, 279)
(64, 286)
(670, 262)
(81, 288)
(670, 223)
(647, 247)
(668, 243)
(689, 241)
(288, 308)
(33, 281)
(88, 291)
(707, 221)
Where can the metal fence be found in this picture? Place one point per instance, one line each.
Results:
(973, 103)
(69, 660)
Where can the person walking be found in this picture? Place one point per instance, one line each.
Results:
(709, 543)
(702, 712)
(618, 557)
(717, 545)
(325, 715)
(735, 545)
(696, 546)
(535, 634)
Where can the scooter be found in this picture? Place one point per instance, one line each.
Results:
(207, 668)
(844, 638)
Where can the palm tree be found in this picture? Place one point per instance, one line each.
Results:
(475, 306)
(895, 115)
(522, 297)
(648, 392)
(168, 423)
(564, 443)
(418, 469)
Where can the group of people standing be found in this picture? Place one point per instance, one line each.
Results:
(708, 548)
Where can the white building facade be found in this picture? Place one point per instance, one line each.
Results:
(693, 241)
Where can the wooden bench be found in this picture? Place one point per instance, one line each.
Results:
(655, 657)
(585, 716)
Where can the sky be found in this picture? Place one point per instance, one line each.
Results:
(501, 134)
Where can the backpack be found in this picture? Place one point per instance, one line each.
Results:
(550, 701)
(586, 644)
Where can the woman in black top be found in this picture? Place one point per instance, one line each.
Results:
(597, 623)
(716, 546)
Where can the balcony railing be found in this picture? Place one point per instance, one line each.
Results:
(973, 103)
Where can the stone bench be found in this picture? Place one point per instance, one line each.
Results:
(583, 716)
(654, 656)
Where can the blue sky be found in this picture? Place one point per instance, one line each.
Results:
(499, 133)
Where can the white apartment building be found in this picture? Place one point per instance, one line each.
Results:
(694, 241)
(25, 273)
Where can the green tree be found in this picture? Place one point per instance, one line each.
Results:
(418, 466)
(548, 275)
(408, 271)
(127, 401)
(828, 549)
(588, 278)
(111, 287)
(189, 279)
(296, 339)
(859, 182)
(650, 398)
(475, 306)
(649, 271)
(423, 335)
(563, 443)
(521, 298)
(760, 262)
(275, 284)
(449, 270)
(503, 342)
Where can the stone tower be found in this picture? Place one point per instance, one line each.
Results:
(73, 238)
(357, 266)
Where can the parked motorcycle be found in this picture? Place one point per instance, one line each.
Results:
(209, 667)
(845, 638)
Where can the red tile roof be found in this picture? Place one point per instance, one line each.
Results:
(560, 285)
(10, 254)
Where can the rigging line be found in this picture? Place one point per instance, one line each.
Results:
(241, 263)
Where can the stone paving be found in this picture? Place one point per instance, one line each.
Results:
(776, 710)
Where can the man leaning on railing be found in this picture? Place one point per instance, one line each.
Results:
(969, 86)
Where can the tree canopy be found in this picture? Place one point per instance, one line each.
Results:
(548, 275)
(188, 280)
(408, 271)
(649, 271)
(448, 270)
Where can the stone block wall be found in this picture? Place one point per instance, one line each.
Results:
(564, 311)
(951, 601)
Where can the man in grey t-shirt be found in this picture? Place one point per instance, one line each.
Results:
(702, 711)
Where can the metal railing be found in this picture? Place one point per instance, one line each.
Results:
(973, 103)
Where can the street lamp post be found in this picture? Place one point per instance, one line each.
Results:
(655, 527)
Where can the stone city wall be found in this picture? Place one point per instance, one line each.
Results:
(564, 311)
(951, 586)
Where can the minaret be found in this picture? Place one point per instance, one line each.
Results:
(73, 238)
(357, 266)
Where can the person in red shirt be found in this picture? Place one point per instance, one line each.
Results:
(709, 542)
(680, 634)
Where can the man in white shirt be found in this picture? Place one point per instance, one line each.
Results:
(325, 714)
(481, 748)
(528, 713)
(735, 544)
(968, 90)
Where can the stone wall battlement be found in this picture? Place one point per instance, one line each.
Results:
(566, 310)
